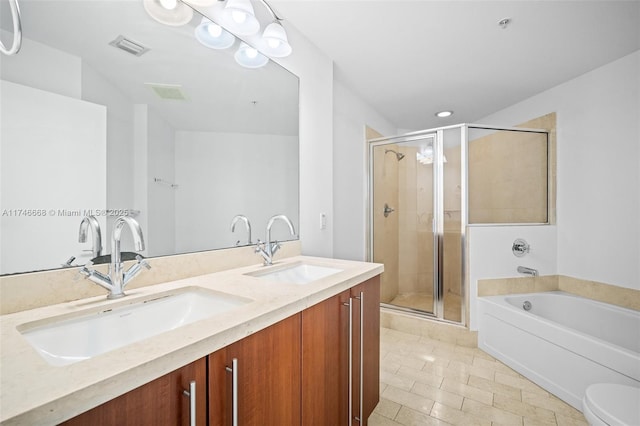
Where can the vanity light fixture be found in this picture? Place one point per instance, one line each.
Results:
(249, 57)
(444, 114)
(213, 35)
(168, 12)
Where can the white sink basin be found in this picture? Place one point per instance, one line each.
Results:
(69, 339)
(297, 273)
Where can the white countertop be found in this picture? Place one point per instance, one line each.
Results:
(35, 392)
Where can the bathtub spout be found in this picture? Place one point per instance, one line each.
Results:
(528, 271)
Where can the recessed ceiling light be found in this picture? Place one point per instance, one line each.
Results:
(443, 114)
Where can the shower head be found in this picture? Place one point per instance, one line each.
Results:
(399, 155)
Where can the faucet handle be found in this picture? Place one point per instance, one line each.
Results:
(142, 261)
(83, 271)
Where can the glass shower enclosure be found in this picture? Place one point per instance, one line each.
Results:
(419, 208)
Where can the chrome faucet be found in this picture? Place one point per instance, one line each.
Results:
(268, 248)
(528, 271)
(117, 279)
(243, 218)
(90, 222)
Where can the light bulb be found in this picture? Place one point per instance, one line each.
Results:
(274, 43)
(214, 30)
(251, 52)
(169, 4)
(239, 16)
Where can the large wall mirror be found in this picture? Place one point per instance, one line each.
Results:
(180, 137)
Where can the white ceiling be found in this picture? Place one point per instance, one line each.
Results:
(410, 59)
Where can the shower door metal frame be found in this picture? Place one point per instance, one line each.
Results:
(437, 224)
(464, 208)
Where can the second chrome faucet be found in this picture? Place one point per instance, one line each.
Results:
(268, 248)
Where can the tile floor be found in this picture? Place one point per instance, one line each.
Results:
(424, 302)
(429, 382)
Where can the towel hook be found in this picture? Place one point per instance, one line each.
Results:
(17, 30)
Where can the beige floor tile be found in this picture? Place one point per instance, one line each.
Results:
(428, 382)
(383, 386)
(491, 364)
(465, 368)
(498, 388)
(438, 370)
(520, 383)
(479, 353)
(466, 391)
(405, 360)
(540, 422)
(425, 377)
(551, 403)
(389, 367)
(387, 408)
(410, 417)
(376, 419)
(570, 421)
(439, 395)
(490, 413)
(456, 417)
(398, 381)
(453, 355)
(532, 412)
(408, 399)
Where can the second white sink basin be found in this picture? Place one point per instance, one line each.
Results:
(297, 273)
(67, 339)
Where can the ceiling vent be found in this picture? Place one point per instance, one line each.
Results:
(168, 91)
(129, 46)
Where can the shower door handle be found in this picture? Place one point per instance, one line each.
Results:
(387, 210)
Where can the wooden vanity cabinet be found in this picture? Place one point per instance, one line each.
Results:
(318, 367)
(328, 397)
(267, 378)
(159, 402)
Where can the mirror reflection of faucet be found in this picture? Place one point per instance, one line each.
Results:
(268, 249)
(117, 279)
(241, 218)
(90, 222)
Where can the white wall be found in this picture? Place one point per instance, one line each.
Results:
(350, 118)
(37, 128)
(160, 232)
(490, 255)
(598, 153)
(315, 71)
(263, 171)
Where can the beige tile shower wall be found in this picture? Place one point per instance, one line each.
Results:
(505, 191)
(385, 237)
(614, 295)
(37, 289)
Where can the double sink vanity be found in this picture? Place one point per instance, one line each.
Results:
(292, 343)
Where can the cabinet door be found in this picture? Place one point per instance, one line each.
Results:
(325, 358)
(160, 402)
(366, 343)
(268, 378)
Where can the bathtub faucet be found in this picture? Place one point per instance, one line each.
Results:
(528, 271)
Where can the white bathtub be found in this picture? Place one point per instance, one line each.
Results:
(564, 342)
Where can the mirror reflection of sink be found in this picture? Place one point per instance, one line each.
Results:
(69, 339)
(297, 273)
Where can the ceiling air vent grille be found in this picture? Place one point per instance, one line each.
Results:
(129, 46)
(168, 91)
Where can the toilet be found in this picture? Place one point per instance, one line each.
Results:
(607, 404)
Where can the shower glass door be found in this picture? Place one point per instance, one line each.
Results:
(415, 222)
